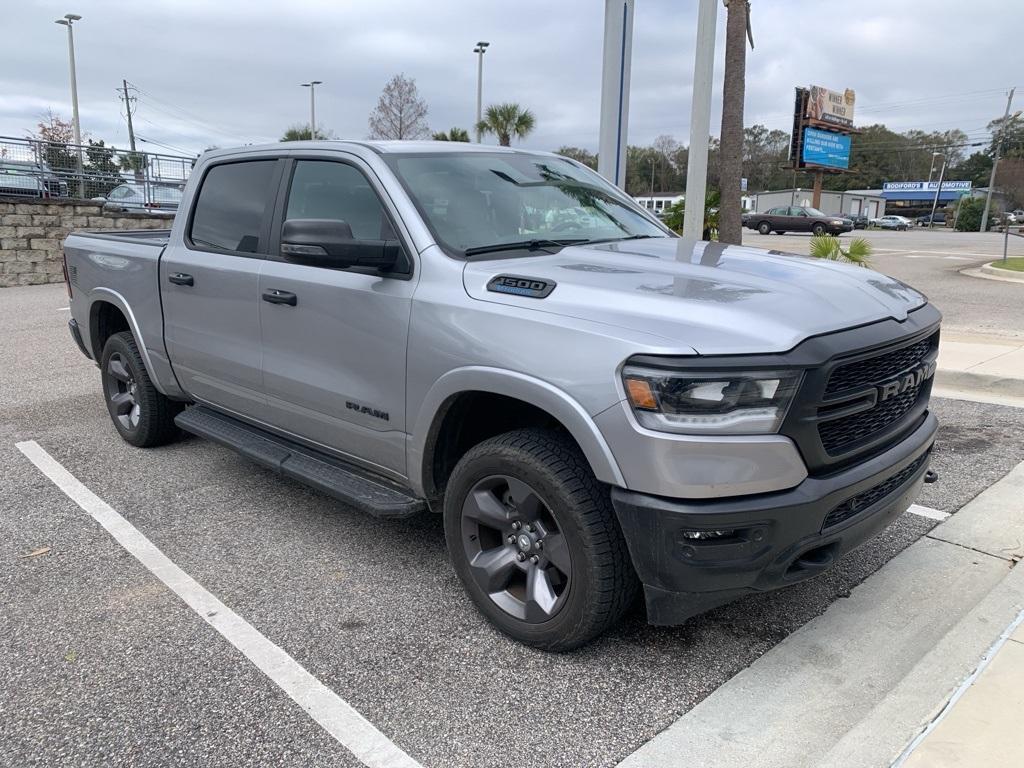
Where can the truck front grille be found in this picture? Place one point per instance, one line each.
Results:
(876, 369)
(856, 504)
(837, 435)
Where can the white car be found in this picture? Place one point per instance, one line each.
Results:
(893, 222)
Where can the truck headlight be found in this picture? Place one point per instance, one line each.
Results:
(703, 403)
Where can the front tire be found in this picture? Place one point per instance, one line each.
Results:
(141, 414)
(534, 539)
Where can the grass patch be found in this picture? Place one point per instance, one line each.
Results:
(1016, 264)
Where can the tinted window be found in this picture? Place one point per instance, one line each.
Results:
(778, 211)
(229, 211)
(326, 190)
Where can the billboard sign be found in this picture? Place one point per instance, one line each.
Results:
(831, 107)
(926, 186)
(825, 148)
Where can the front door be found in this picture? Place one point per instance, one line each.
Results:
(334, 362)
(209, 287)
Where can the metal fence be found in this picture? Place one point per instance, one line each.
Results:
(40, 169)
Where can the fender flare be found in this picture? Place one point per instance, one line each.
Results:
(499, 381)
(111, 296)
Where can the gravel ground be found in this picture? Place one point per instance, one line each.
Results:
(101, 665)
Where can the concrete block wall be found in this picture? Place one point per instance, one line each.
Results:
(33, 231)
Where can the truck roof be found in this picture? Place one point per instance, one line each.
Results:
(381, 147)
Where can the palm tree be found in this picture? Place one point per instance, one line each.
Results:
(828, 247)
(737, 29)
(455, 134)
(506, 121)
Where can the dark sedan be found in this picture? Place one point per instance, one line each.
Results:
(797, 219)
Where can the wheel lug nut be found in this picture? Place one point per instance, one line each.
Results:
(520, 556)
(534, 559)
(539, 544)
(516, 525)
(511, 539)
(529, 527)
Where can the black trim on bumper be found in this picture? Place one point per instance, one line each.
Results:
(771, 540)
(76, 334)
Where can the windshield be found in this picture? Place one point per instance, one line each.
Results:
(472, 201)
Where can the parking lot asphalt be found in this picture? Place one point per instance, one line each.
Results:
(933, 262)
(102, 665)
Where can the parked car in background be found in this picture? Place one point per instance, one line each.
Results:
(142, 197)
(790, 218)
(901, 223)
(860, 221)
(27, 178)
(937, 218)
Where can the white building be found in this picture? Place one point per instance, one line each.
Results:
(657, 204)
(866, 202)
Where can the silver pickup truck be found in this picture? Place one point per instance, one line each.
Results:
(591, 404)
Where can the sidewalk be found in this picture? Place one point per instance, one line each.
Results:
(981, 724)
(989, 367)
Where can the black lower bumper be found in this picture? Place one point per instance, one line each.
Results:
(693, 555)
(76, 334)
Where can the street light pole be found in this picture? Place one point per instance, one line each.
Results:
(68, 20)
(480, 50)
(935, 201)
(995, 161)
(312, 84)
(931, 169)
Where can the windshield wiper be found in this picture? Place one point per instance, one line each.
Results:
(525, 245)
(627, 237)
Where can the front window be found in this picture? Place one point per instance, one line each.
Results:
(474, 201)
(812, 212)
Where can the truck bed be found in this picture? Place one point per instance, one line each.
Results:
(154, 237)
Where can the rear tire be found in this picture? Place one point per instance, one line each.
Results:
(517, 489)
(140, 413)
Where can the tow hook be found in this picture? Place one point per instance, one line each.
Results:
(931, 476)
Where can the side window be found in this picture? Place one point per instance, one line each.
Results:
(797, 212)
(776, 212)
(229, 211)
(322, 189)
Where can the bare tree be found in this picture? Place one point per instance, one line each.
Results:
(730, 227)
(400, 112)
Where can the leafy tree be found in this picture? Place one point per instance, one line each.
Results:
(580, 155)
(969, 219)
(1011, 137)
(975, 168)
(674, 215)
(56, 134)
(454, 134)
(400, 112)
(304, 133)
(507, 121)
(102, 170)
(1010, 180)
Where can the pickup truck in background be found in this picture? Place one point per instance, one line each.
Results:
(591, 404)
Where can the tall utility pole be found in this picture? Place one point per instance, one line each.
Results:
(615, 73)
(480, 50)
(935, 200)
(68, 20)
(737, 27)
(128, 113)
(312, 84)
(700, 120)
(995, 160)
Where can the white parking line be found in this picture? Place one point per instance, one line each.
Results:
(63, 309)
(330, 711)
(931, 514)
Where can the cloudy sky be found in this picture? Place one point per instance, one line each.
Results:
(226, 72)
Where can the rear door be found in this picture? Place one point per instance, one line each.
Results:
(209, 286)
(798, 220)
(334, 362)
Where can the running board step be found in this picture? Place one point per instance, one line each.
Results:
(377, 496)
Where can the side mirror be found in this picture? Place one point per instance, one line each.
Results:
(329, 243)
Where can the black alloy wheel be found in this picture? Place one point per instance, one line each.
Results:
(515, 547)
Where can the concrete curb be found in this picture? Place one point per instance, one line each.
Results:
(1002, 274)
(991, 274)
(854, 686)
(979, 382)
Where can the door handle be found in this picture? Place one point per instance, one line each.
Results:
(275, 296)
(180, 278)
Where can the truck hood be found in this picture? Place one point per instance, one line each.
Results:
(712, 298)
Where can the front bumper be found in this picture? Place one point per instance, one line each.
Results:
(777, 538)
